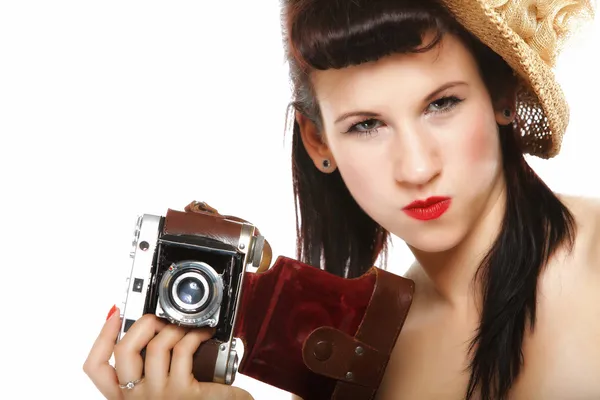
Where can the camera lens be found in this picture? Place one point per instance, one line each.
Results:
(190, 290)
(190, 293)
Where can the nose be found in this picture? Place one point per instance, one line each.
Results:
(416, 159)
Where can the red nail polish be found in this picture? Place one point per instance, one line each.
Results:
(111, 312)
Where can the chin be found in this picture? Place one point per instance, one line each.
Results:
(432, 240)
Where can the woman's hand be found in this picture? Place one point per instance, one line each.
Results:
(166, 376)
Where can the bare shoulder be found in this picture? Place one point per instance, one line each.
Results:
(568, 306)
(586, 211)
(581, 205)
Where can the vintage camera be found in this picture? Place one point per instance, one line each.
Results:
(304, 330)
(188, 268)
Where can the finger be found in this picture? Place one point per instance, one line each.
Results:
(97, 366)
(183, 354)
(158, 355)
(128, 360)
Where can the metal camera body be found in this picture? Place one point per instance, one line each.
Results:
(191, 275)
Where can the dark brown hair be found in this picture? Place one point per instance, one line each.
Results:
(335, 234)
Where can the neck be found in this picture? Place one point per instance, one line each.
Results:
(451, 273)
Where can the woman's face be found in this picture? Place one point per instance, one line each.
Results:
(412, 127)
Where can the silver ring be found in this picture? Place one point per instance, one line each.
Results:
(129, 385)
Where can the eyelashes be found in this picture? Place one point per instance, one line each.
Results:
(445, 104)
(370, 126)
(356, 128)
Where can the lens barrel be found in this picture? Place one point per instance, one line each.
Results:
(190, 293)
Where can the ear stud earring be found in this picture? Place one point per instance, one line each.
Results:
(326, 163)
(507, 112)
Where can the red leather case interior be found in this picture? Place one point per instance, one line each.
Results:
(281, 307)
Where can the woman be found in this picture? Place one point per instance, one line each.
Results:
(407, 122)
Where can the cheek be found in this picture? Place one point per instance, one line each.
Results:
(361, 171)
(479, 149)
(358, 176)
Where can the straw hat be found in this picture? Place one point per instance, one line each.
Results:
(528, 34)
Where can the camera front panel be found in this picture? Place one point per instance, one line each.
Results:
(195, 282)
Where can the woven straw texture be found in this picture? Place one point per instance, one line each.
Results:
(529, 34)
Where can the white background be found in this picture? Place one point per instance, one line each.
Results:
(109, 109)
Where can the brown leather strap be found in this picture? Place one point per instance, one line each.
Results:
(337, 354)
(389, 305)
(359, 362)
(348, 391)
(201, 207)
(205, 360)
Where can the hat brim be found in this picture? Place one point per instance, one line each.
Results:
(542, 110)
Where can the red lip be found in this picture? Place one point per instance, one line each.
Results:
(428, 209)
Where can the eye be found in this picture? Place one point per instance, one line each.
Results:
(443, 104)
(365, 127)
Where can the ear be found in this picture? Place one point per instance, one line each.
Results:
(315, 144)
(505, 106)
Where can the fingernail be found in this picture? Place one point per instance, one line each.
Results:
(111, 312)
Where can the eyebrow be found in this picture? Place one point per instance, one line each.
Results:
(444, 87)
(429, 97)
